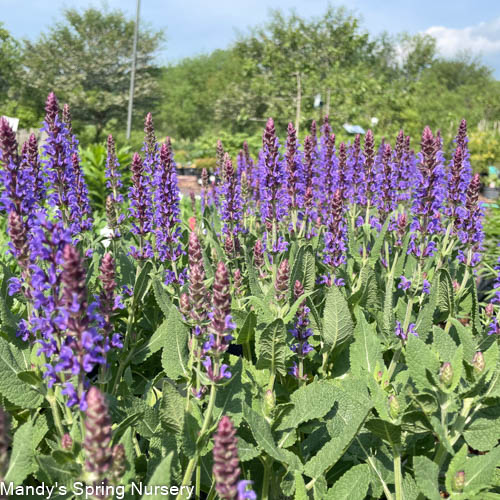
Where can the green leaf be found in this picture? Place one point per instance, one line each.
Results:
(309, 402)
(12, 362)
(22, 458)
(421, 361)
(172, 408)
(388, 323)
(479, 471)
(365, 352)
(482, 432)
(253, 281)
(403, 255)
(262, 434)
(337, 321)
(352, 243)
(377, 246)
(175, 354)
(353, 485)
(353, 407)
(246, 451)
(53, 471)
(426, 474)
(466, 339)
(446, 298)
(387, 431)
(128, 445)
(271, 348)
(160, 477)
(247, 331)
(300, 487)
(304, 269)
(443, 343)
(230, 396)
(370, 296)
(142, 282)
(425, 319)
(153, 344)
(456, 463)
(161, 296)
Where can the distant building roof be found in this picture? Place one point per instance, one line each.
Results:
(353, 129)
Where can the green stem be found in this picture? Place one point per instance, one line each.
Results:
(198, 481)
(55, 411)
(398, 476)
(206, 424)
(265, 481)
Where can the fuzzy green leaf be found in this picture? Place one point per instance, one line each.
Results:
(353, 407)
(247, 331)
(272, 350)
(426, 474)
(388, 313)
(425, 319)
(160, 477)
(230, 396)
(161, 296)
(309, 402)
(262, 434)
(337, 321)
(387, 431)
(153, 344)
(128, 444)
(175, 354)
(421, 361)
(22, 458)
(377, 246)
(482, 432)
(12, 362)
(300, 487)
(365, 351)
(172, 408)
(353, 485)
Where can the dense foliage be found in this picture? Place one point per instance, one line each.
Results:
(275, 69)
(309, 328)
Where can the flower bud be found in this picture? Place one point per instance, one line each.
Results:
(459, 481)
(488, 310)
(393, 406)
(226, 468)
(184, 305)
(269, 402)
(446, 374)
(478, 363)
(66, 442)
(97, 435)
(119, 462)
(282, 279)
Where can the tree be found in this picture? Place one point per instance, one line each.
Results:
(190, 90)
(290, 59)
(85, 59)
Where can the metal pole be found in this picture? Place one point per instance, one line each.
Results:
(132, 73)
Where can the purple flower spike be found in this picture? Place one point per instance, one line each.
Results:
(167, 209)
(226, 468)
(140, 208)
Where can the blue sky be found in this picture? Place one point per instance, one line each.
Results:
(199, 26)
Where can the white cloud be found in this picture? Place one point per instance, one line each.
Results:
(483, 38)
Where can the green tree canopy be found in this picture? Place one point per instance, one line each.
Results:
(85, 59)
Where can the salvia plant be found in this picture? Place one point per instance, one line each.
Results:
(308, 328)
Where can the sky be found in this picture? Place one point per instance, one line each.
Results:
(199, 26)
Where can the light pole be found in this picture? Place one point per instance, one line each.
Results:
(132, 73)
